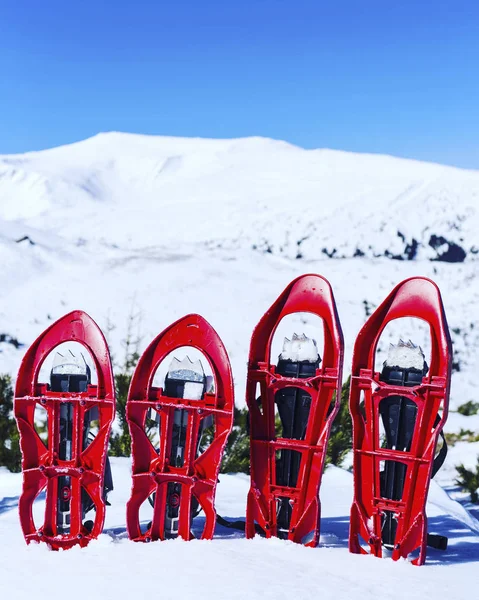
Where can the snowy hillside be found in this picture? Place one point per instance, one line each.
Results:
(179, 225)
(136, 191)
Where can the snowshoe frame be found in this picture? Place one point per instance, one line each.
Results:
(40, 463)
(415, 297)
(151, 471)
(310, 294)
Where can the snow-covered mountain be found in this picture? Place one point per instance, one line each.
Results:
(124, 224)
(134, 190)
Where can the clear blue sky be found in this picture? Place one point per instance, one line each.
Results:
(389, 76)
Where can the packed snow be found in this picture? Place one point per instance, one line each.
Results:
(230, 566)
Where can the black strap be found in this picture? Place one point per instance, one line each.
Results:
(441, 455)
(439, 542)
(239, 525)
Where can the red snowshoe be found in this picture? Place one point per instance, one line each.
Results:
(178, 477)
(288, 452)
(72, 466)
(407, 402)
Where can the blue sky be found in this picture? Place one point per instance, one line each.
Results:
(364, 75)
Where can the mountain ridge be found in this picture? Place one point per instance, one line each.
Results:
(155, 138)
(267, 195)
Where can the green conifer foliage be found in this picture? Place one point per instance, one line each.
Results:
(469, 480)
(10, 455)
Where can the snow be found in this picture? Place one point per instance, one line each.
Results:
(230, 566)
(142, 230)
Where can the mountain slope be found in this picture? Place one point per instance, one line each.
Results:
(254, 193)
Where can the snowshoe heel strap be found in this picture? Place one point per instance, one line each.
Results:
(441, 456)
(439, 542)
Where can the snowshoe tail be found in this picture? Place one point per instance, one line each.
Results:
(287, 458)
(179, 476)
(71, 466)
(409, 399)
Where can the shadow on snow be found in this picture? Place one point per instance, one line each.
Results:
(11, 502)
(463, 544)
(8, 503)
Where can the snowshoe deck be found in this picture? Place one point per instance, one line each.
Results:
(287, 465)
(70, 468)
(179, 476)
(391, 476)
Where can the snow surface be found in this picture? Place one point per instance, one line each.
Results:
(231, 567)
